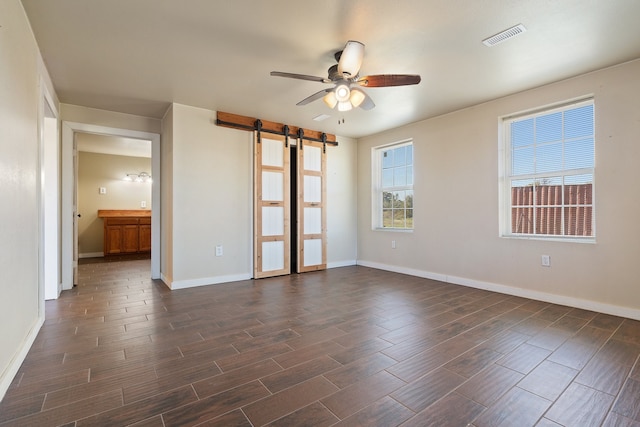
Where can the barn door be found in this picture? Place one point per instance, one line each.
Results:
(272, 206)
(311, 207)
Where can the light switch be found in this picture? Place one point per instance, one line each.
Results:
(143, 204)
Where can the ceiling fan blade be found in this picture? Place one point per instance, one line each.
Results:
(300, 77)
(314, 97)
(368, 103)
(384, 80)
(359, 98)
(351, 58)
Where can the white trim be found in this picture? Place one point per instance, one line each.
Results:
(91, 255)
(165, 280)
(216, 280)
(403, 270)
(204, 281)
(49, 216)
(505, 178)
(338, 264)
(615, 310)
(376, 183)
(14, 365)
(68, 134)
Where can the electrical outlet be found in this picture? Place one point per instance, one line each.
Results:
(546, 261)
(102, 190)
(393, 244)
(143, 204)
(219, 250)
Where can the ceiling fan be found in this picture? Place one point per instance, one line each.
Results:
(346, 93)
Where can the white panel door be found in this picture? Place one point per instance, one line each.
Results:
(312, 194)
(272, 207)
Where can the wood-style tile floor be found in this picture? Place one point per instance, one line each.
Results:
(349, 346)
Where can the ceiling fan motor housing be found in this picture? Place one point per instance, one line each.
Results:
(333, 73)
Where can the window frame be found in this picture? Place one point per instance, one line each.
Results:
(506, 177)
(377, 189)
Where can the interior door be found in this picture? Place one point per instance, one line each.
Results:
(272, 206)
(311, 206)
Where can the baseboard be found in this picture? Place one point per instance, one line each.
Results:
(14, 366)
(584, 304)
(216, 280)
(184, 284)
(91, 255)
(338, 264)
(165, 280)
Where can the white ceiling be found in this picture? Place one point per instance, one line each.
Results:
(139, 56)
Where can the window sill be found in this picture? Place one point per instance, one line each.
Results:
(398, 230)
(591, 240)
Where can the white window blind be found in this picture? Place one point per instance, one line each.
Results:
(550, 172)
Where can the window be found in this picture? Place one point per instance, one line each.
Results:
(549, 186)
(393, 186)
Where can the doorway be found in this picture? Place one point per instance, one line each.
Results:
(69, 181)
(114, 173)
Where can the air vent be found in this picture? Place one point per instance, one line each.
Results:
(505, 35)
(321, 117)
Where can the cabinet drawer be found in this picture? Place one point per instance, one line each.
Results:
(121, 221)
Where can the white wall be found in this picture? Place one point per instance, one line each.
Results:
(212, 187)
(211, 199)
(166, 198)
(20, 75)
(342, 209)
(456, 235)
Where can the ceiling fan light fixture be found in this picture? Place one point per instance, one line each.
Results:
(344, 105)
(330, 99)
(351, 58)
(356, 97)
(342, 92)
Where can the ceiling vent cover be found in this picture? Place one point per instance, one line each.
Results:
(505, 35)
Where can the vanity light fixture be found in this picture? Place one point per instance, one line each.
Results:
(138, 177)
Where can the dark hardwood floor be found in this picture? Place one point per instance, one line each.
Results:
(349, 346)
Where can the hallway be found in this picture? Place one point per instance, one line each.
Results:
(346, 346)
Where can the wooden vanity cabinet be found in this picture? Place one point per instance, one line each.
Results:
(126, 232)
(144, 235)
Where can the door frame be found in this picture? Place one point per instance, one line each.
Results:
(69, 185)
(49, 283)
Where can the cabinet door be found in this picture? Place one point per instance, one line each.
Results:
(145, 237)
(130, 239)
(113, 239)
